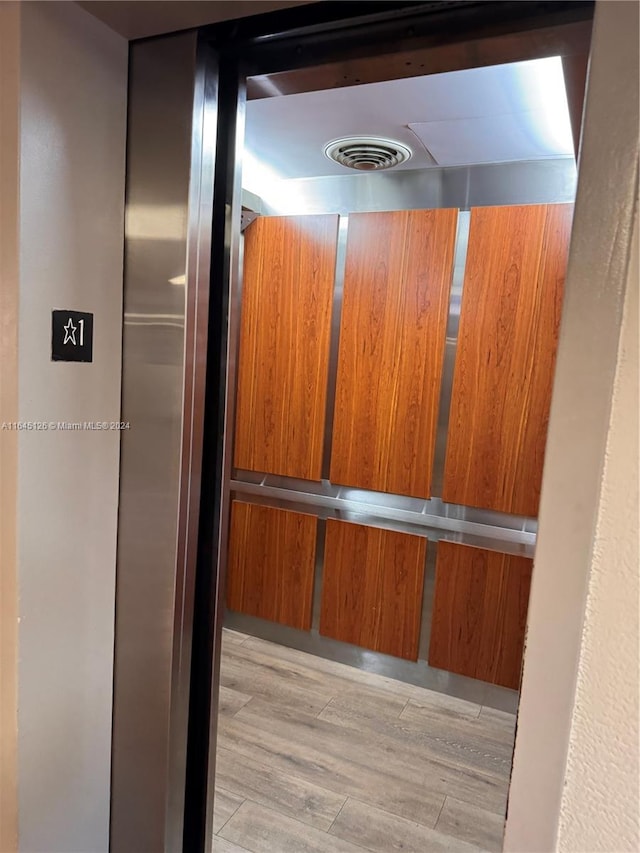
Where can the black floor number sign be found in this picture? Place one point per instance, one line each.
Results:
(71, 336)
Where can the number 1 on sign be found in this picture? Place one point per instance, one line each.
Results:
(81, 324)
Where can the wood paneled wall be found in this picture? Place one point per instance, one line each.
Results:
(392, 336)
(271, 563)
(479, 613)
(509, 321)
(372, 588)
(398, 272)
(289, 270)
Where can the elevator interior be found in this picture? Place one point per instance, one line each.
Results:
(396, 332)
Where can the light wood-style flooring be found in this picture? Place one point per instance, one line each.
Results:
(318, 757)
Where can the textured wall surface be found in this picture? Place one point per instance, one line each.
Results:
(73, 113)
(9, 156)
(600, 803)
(580, 428)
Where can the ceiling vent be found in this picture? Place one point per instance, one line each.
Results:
(367, 153)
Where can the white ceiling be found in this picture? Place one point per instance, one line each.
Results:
(502, 113)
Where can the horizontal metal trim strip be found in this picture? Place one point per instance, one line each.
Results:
(407, 516)
(548, 181)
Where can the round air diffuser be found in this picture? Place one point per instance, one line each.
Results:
(367, 153)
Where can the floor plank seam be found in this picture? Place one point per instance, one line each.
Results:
(412, 820)
(346, 799)
(242, 707)
(348, 840)
(324, 707)
(440, 812)
(402, 710)
(290, 775)
(302, 824)
(237, 710)
(220, 828)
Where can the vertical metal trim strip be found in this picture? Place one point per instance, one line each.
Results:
(165, 333)
(427, 599)
(321, 530)
(334, 343)
(197, 272)
(451, 347)
(229, 344)
(233, 351)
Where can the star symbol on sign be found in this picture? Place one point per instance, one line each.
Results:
(70, 333)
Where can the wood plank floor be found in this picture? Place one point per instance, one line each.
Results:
(318, 757)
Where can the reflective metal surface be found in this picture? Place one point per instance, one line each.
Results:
(427, 602)
(451, 345)
(336, 311)
(228, 281)
(432, 518)
(199, 234)
(165, 327)
(318, 573)
(541, 182)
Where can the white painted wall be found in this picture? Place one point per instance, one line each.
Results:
(575, 772)
(9, 156)
(72, 168)
(600, 808)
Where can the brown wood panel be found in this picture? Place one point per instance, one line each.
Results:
(289, 269)
(505, 361)
(392, 338)
(372, 588)
(480, 613)
(271, 563)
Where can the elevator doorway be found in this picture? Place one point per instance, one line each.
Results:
(173, 196)
(395, 338)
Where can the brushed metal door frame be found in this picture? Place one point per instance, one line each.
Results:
(169, 195)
